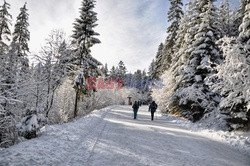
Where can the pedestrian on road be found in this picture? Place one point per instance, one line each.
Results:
(152, 108)
(140, 103)
(135, 109)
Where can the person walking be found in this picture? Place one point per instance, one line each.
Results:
(152, 108)
(135, 109)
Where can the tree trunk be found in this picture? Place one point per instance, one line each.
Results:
(76, 104)
(51, 102)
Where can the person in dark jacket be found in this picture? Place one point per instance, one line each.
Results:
(152, 108)
(135, 109)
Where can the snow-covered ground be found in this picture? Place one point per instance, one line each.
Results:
(110, 137)
(238, 140)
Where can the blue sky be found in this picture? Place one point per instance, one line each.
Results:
(131, 30)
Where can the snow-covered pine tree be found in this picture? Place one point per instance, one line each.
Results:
(194, 95)
(83, 39)
(8, 135)
(234, 82)
(237, 18)
(105, 70)
(17, 63)
(21, 37)
(175, 15)
(5, 23)
(159, 59)
(151, 69)
(182, 49)
(21, 34)
(235, 74)
(113, 73)
(121, 70)
(185, 35)
(244, 28)
(224, 18)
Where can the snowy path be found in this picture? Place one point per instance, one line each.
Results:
(111, 137)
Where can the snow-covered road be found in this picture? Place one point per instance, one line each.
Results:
(110, 137)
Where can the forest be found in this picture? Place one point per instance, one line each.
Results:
(203, 65)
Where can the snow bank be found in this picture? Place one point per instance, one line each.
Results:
(237, 140)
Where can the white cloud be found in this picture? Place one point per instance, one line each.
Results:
(130, 31)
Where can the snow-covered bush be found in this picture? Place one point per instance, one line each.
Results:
(8, 133)
(164, 96)
(31, 123)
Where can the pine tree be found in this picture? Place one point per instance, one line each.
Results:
(19, 45)
(113, 73)
(83, 34)
(244, 28)
(105, 70)
(238, 17)
(5, 23)
(151, 69)
(17, 62)
(194, 94)
(158, 65)
(235, 74)
(224, 18)
(175, 14)
(185, 35)
(121, 70)
(83, 39)
(174, 76)
(21, 34)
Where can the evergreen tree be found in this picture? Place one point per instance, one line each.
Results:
(113, 73)
(121, 70)
(138, 74)
(151, 69)
(19, 45)
(185, 35)
(244, 28)
(235, 74)
(158, 65)
(8, 134)
(238, 17)
(17, 62)
(5, 22)
(21, 34)
(175, 14)
(83, 39)
(194, 94)
(224, 18)
(105, 70)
